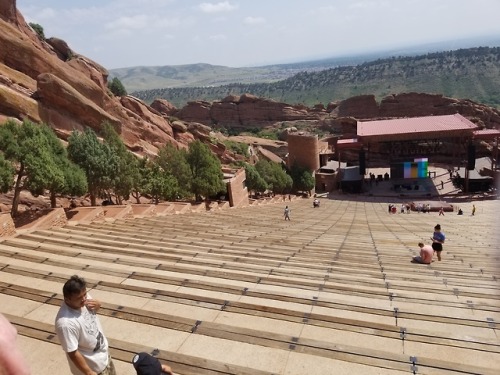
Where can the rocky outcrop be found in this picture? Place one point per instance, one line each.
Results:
(18, 105)
(415, 105)
(147, 114)
(244, 111)
(57, 95)
(61, 48)
(164, 107)
(360, 107)
(46, 81)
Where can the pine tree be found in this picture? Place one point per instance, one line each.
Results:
(40, 166)
(116, 87)
(97, 159)
(206, 172)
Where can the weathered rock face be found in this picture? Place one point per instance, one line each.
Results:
(164, 107)
(45, 81)
(244, 111)
(54, 93)
(415, 105)
(61, 48)
(360, 107)
(8, 11)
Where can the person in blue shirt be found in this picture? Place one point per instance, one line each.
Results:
(438, 239)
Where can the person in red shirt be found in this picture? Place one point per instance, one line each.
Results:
(426, 254)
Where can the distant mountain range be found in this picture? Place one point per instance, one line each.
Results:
(472, 73)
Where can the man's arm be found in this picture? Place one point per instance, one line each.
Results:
(77, 358)
(166, 370)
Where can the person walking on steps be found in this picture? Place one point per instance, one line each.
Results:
(286, 213)
(438, 239)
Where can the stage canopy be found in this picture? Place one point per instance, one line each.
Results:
(415, 128)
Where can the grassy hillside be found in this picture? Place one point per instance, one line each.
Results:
(472, 73)
(201, 75)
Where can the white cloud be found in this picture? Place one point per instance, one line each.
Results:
(224, 6)
(323, 10)
(137, 22)
(254, 20)
(218, 37)
(47, 14)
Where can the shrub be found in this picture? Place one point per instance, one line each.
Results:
(38, 29)
(116, 87)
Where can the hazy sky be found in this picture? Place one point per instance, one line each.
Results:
(236, 33)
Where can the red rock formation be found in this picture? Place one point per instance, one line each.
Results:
(164, 107)
(360, 107)
(244, 111)
(415, 105)
(46, 81)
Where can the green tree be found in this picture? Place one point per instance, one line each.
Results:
(97, 159)
(140, 179)
(303, 179)
(254, 180)
(38, 29)
(28, 147)
(237, 147)
(206, 172)
(275, 176)
(175, 162)
(116, 87)
(127, 168)
(160, 184)
(74, 181)
(7, 172)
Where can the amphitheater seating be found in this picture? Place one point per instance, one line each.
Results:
(242, 291)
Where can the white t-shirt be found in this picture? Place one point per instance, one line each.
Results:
(81, 330)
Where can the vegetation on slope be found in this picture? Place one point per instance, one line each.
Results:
(472, 73)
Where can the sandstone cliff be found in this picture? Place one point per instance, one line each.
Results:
(244, 111)
(45, 81)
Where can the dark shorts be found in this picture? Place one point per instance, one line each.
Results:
(436, 246)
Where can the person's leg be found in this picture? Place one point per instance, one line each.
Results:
(110, 368)
(417, 259)
(439, 255)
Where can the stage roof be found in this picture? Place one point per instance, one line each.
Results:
(487, 134)
(349, 143)
(415, 128)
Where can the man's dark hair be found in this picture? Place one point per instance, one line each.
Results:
(74, 285)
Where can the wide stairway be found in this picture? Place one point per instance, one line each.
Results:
(242, 291)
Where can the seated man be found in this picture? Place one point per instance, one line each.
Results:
(426, 254)
(146, 364)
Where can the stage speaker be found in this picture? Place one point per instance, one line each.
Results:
(362, 163)
(471, 157)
